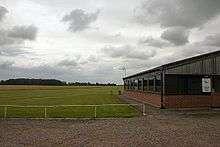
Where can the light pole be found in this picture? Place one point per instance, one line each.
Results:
(123, 69)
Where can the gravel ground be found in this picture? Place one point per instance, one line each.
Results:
(157, 128)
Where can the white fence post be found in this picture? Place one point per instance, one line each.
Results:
(5, 112)
(95, 112)
(45, 115)
(45, 112)
(144, 109)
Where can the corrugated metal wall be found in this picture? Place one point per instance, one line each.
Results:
(207, 66)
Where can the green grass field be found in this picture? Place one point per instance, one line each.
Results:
(63, 95)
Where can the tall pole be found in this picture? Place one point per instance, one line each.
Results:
(123, 69)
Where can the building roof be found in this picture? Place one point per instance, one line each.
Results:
(187, 60)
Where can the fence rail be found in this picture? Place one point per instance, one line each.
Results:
(45, 108)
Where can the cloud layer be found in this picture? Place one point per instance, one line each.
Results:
(80, 20)
(178, 13)
(150, 41)
(23, 32)
(3, 11)
(178, 17)
(177, 36)
(212, 40)
(12, 37)
(137, 35)
(12, 40)
(128, 52)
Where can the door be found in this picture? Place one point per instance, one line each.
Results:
(216, 91)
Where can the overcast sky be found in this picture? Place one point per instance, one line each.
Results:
(92, 40)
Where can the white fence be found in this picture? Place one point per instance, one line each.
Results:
(45, 108)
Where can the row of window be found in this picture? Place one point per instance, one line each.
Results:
(184, 85)
(174, 84)
(145, 84)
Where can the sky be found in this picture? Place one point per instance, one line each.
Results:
(94, 40)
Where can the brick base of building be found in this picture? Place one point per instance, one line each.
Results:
(191, 101)
(175, 101)
(216, 100)
(187, 101)
(149, 98)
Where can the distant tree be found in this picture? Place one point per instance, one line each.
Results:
(52, 82)
(23, 81)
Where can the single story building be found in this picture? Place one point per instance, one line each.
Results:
(192, 82)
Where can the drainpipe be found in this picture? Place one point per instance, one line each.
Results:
(162, 88)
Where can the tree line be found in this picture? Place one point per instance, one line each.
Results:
(90, 84)
(49, 82)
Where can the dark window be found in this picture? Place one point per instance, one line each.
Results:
(194, 85)
(140, 82)
(186, 85)
(145, 83)
(136, 84)
(132, 84)
(171, 84)
(158, 83)
(216, 83)
(151, 84)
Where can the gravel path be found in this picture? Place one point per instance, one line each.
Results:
(155, 129)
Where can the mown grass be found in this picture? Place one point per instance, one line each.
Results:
(63, 95)
(32, 112)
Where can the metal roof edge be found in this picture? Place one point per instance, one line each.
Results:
(173, 63)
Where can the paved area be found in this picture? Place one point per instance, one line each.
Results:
(157, 128)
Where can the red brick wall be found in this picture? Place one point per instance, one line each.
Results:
(175, 101)
(216, 100)
(187, 101)
(150, 98)
(190, 101)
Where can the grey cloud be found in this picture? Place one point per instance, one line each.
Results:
(128, 52)
(98, 74)
(4, 39)
(212, 40)
(9, 46)
(11, 51)
(77, 61)
(11, 40)
(177, 13)
(92, 58)
(68, 63)
(177, 16)
(6, 65)
(117, 34)
(43, 71)
(193, 50)
(79, 20)
(116, 52)
(143, 64)
(143, 55)
(178, 35)
(3, 11)
(108, 38)
(88, 60)
(8, 70)
(104, 70)
(150, 41)
(23, 32)
(17, 35)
